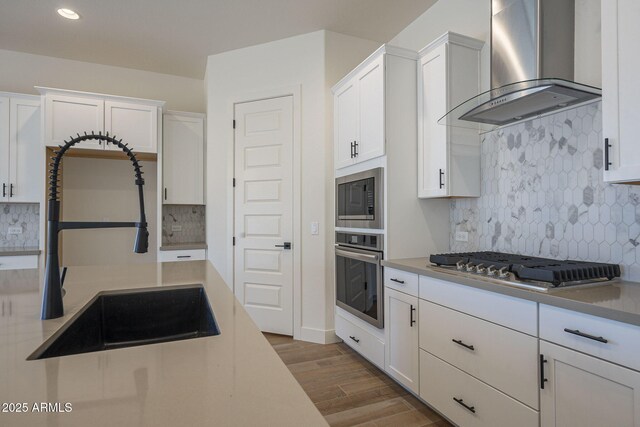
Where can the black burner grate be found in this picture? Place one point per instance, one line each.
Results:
(524, 267)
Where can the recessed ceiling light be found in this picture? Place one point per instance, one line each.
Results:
(68, 13)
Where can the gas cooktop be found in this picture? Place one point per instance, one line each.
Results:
(541, 274)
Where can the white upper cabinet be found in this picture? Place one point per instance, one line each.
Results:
(620, 90)
(68, 113)
(362, 105)
(183, 158)
(135, 124)
(20, 149)
(448, 157)
(66, 116)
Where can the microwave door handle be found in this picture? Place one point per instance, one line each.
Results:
(358, 256)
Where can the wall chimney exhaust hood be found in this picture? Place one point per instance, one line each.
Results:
(532, 56)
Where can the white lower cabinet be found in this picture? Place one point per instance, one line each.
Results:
(401, 361)
(18, 262)
(182, 255)
(581, 390)
(502, 357)
(468, 401)
(361, 340)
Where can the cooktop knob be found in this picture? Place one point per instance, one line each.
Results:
(503, 273)
(480, 269)
(470, 267)
(460, 265)
(492, 270)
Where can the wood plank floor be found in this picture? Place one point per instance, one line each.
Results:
(348, 390)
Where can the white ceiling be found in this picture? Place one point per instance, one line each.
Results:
(176, 36)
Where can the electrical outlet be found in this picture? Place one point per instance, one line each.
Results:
(462, 236)
(176, 228)
(14, 230)
(315, 228)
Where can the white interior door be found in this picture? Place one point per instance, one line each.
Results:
(263, 279)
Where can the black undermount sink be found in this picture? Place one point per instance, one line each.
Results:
(127, 318)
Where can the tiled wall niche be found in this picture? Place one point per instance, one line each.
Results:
(543, 194)
(25, 215)
(190, 217)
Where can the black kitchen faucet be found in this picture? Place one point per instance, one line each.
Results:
(52, 306)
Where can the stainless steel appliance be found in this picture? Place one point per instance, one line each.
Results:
(539, 274)
(359, 276)
(360, 200)
(532, 65)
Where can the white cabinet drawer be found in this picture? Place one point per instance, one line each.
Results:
(182, 255)
(585, 332)
(441, 383)
(514, 313)
(401, 281)
(361, 341)
(501, 357)
(18, 262)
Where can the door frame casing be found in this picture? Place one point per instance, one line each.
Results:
(279, 92)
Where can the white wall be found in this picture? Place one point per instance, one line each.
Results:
(20, 72)
(240, 75)
(473, 18)
(468, 17)
(104, 190)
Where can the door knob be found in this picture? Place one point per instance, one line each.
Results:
(286, 245)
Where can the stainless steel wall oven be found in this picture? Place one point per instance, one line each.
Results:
(360, 200)
(359, 276)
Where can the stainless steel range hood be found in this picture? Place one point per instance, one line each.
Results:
(532, 56)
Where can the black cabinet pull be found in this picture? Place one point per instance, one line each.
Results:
(351, 149)
(354, 338)
(184, 256)
(355, 148)
(4, 190)
(607, 163)
(459, 342)
(412, 318)
(10, 190)
(397, 281)
(542, 378)
(461, 402)
(582, 334)
(441, 176)
(165, 193)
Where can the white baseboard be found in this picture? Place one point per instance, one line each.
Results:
(319, 336)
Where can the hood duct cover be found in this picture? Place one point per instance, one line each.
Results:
(532, 57)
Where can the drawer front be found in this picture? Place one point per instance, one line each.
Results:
(514, 313)
(19, 262)
(623, 340)
(440, 383)
(501, 357)
(183, 255)
(361, 341)
(401, 281)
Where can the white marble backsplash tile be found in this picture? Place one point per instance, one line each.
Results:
(25, 215)
(190, 217)
(543, 194)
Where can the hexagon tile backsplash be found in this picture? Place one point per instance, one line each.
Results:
(191, 219)
(543, 195)
(25, 215)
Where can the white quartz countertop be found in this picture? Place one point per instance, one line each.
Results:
(233, 379)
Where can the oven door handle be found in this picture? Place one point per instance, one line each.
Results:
(359, 256)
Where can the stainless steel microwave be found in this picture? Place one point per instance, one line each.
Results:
(360, 200)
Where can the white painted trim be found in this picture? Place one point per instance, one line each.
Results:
(295, 92)
(455, 38)
(185, 114)
(385, 49)
(319, 336)
(55, 91)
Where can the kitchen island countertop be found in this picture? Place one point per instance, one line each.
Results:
(233, 379)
